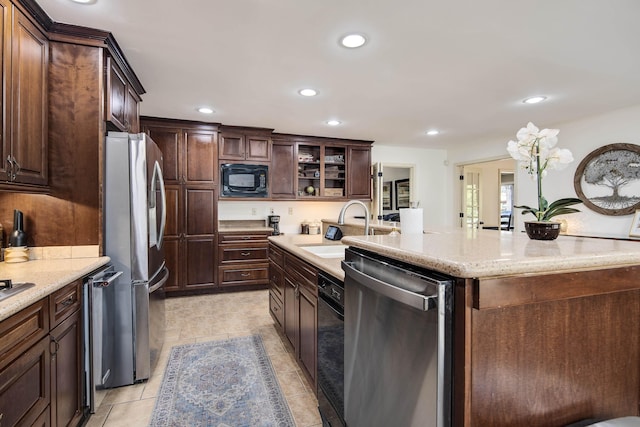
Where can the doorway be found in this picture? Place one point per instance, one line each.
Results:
(487, 190)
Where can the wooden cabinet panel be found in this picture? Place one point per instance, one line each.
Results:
(29, 105)
(308, 324)
(240, 144)
(66, 369)
(201, 157)
(65, 301)
(242, 254)
(169, 140)
(173, 222)
(122, 101)
(276, 310)
(116, 95)
(276, 280)
(290, 302)
(24, 385)
(359, 175)
(200, 211)
(231, 146)
(257, 149)
(171, 253)
(200, 263)
(132, 111)
(5, 89)
(244, 275)
(23, 329)
(282, 171)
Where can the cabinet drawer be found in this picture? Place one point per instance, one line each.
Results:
(275, 307)
(302, 273)
(276, 255)
(22, 330)
(236, 254)
(24, 386)
(249, 275)
(276, 280)
(243, 238)
(65, 301)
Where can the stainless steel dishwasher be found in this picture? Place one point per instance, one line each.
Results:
(397, 343)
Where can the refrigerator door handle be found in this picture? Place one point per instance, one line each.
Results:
(160, 282)
(158, 178)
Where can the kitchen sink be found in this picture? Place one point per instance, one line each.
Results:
(326, 251)
(16, 288)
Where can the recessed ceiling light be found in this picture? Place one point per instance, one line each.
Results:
(433, 132)
(84, 1)
(534, 99)
(205, 110)
(353, 41)
(308, 92)
(333, 122)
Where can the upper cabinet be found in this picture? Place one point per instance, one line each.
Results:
(25, 56)
(245, 144)
(308, 168)
(122, 109)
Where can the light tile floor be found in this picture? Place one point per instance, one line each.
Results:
(206, 318)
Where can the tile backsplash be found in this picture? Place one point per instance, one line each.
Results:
(64, 252)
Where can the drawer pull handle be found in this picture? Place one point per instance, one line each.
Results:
(67, 302)
(245, 274)
(245, 253)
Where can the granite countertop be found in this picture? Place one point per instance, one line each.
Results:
(294, 242)
(470, 253)
(49, 275)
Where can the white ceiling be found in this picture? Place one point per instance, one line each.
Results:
(459, 66)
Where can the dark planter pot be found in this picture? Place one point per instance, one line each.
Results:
(542, 230)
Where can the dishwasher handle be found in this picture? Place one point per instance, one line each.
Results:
(106, 279)
(412, 299)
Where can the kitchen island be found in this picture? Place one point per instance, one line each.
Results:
(545, 332)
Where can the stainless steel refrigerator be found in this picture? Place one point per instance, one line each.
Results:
(134, 218)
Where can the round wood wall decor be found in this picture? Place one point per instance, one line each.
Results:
(608, 179)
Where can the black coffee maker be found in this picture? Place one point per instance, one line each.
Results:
(274, 221)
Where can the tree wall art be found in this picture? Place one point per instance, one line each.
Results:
(608, 179)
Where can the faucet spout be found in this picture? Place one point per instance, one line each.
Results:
(366, 214)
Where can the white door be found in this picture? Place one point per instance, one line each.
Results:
(471, 197)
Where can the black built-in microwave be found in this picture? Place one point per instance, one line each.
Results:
(242, 180)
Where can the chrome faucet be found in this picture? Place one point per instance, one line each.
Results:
(366, 214)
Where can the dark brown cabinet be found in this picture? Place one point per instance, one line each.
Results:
(42, 361)
(314, 168)
(243, 259)
(122, 101)
(66, 355)
(359, 177)
(190, 157)
(282, 171)
(25, 56)
(245, 144)
(276, 284)
(301, 312)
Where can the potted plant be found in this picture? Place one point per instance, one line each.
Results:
(536, 152)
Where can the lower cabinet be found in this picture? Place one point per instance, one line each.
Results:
(41, 362)
(293, 303)
(243, 259)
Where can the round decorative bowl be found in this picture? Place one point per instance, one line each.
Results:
(542, 230)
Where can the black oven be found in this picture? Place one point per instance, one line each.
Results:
(331, 350)
(241, 180)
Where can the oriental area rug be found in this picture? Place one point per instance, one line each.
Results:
(225, 383)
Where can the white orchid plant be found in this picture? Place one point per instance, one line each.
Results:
(536, 151)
